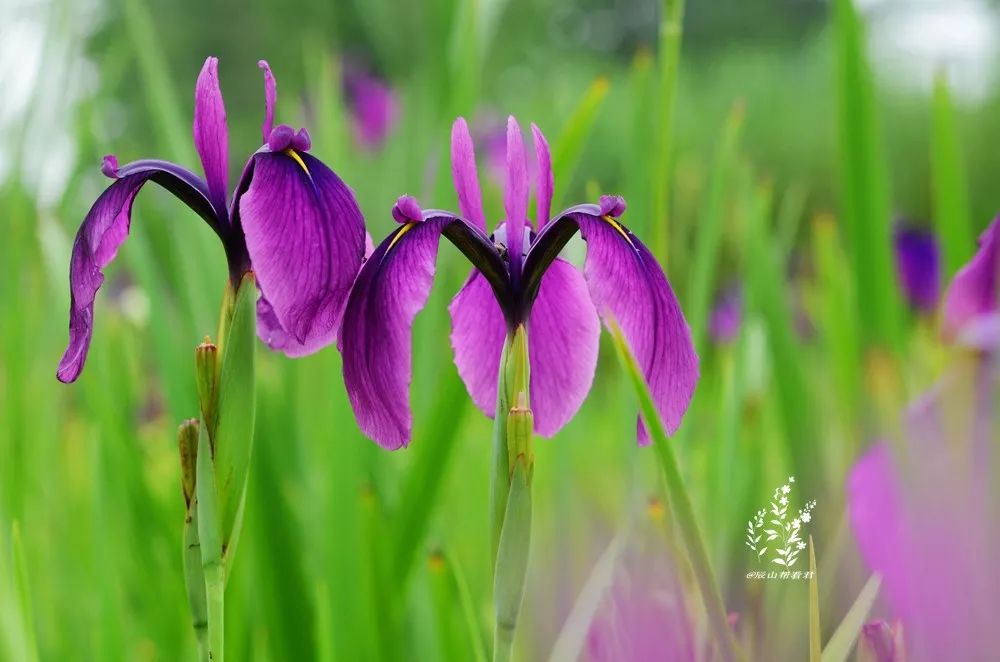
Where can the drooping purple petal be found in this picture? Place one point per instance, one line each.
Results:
(375, 336)
(306, 239)
(464, 174)
(102, 232)
(546, 180)
(515, 194)
(918, 267)
(270, 99)
(211, 138)
(478, 332)
(563, 335)
(627, 284)
(972, 295)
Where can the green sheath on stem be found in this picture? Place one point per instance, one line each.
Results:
(194, 577)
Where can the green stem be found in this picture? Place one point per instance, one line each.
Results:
(194, 578)
(513, 460)
(215, 587)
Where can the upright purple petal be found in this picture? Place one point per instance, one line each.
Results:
(478, 332)
(972, 296)
(375, 338)
(270, 99)
(563, 335)
(546, 180)
(515, 195)
(306, 239)
(464, 174)
(918, 267)
(211, 137)
(102, 232)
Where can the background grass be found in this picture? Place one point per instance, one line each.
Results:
(779, 170)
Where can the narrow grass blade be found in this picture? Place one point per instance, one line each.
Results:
(23, 593)
(568, 149)
(815, 634)
(951, 204)
(865, 184)
(468, 607)
(846, 634)
(671, 34)
(710, 226)
(680, 503)
(768, 294)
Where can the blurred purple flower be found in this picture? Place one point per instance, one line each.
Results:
(372, 104)
(290, 219)
(918, 267)
(727, 316)
(971, 315)
(642, 614)
(925, 518)
(881, 642)
(518, 279)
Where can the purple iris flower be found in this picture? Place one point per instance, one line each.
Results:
(971, 314)
(727, 315)
(918, 267)
(519, 279)
(290, 219)
(925, 518)
(372, 104)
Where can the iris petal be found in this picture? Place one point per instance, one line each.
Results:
(627, 283)
(211, 138)
(970, 305)
(103, 231)
(375, 337)
(306, 239)
(546, 180)
(464, 174)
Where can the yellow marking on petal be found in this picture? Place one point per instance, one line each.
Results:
(618, 226)
(406, 228)
(295, 155)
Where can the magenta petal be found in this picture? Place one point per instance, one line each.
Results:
(973, 292)
(464, 174)
(563, 335)
(478, 331)
(375, 337)
(627, 283)
(306, 239)
(270, 98)
(211, 138)
(103, 231)
(546, 180)
(515, 193)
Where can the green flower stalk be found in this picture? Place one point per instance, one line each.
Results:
(514, 457)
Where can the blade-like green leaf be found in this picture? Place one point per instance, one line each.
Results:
(568, 149)
(846, 634)
(866, 208)
(233, 441)
(815, 636)
(680, 503)
(709, 236)
(951, 205)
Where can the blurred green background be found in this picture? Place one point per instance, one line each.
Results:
(796, 140)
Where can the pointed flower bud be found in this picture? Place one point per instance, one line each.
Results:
(207, 376)
(187, 442)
